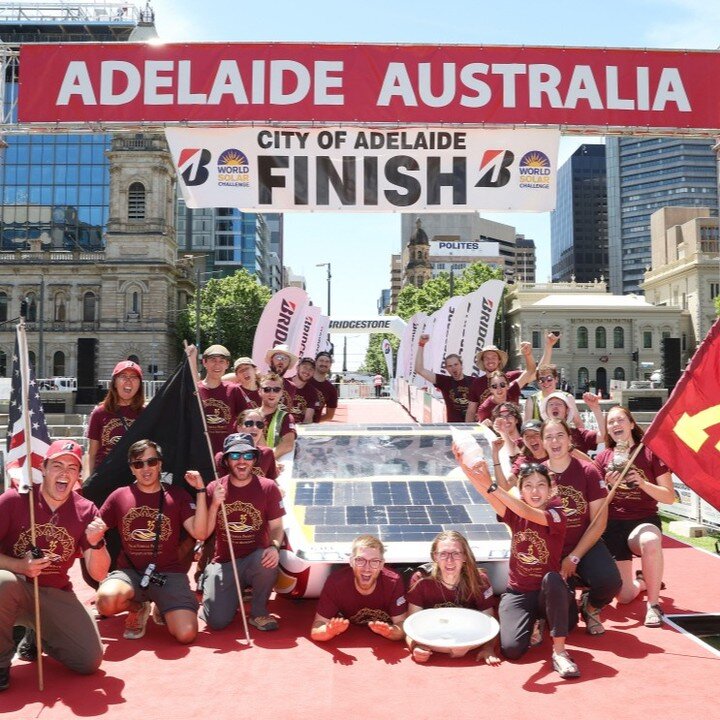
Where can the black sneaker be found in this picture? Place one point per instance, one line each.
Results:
(4, 678)
(27, 648)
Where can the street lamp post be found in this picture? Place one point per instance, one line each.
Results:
(329, 279)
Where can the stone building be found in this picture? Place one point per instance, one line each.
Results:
(418, 269)
(89, 309)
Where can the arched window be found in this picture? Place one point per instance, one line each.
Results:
(136, 201)
(619, 373)
(59, 311)
(133, 302)
(59, 363)
(582, 337)
(3, 364)
(134, 358)
(600, 337)
(31, 308)
(583, 379)
(618, 338)
(3, 307)
(89, 306)
(31, 359)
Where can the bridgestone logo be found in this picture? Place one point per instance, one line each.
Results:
(487, 307)
(282, 330)
(359, 324)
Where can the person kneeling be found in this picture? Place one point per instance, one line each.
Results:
(149, 518)
(536, 589)
(366, 593)
(253, 512)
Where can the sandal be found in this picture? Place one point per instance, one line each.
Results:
(537, 634)
(641, 578)
(653, 616)
(593, 623)
(564, 665)
(265, 623)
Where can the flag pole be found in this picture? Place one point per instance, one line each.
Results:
(24, 365)
(613, 489)
(193, 369)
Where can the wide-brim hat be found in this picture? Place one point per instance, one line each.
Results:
(568, 399)
(280, 350)
(239, 442)
(492, 348)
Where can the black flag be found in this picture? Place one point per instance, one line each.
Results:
(174, 421)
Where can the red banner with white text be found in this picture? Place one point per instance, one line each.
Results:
(592, 88)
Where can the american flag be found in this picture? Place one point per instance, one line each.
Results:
(15, 465)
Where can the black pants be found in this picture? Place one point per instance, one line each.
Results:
(598, 572)
(519, 611)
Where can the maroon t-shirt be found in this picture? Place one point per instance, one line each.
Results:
(525, 458)
(577, 486)
(251, 398)
(456, 394)
(222, 405)
(265, 465)
(107, 428)
(479, 389)
(340, 598)
(633, 503)
(288, 394)
(134, 513)
(327, 396)
(305, 397)
(249, 509)
(535, 549)
(488, 405)
(59, 534)
(427, 592)
(584, 440)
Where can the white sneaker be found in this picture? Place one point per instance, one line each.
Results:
(136, 621)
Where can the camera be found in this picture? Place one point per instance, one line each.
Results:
(151, 576)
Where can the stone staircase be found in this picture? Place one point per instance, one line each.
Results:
(66, 425)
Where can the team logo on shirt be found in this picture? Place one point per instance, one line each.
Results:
(140, 524)
(246, 518)
(459, 396)
(217, 413)
(113, 430)
(573, 503)
(366, 615)
(529, 548)
(56, 543)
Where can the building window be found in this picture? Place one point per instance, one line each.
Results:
(31, 308)
(684, 342)
(136, 201)
(31, 360)
(619, 373)
(536, 339)
(618, 338)
(3, 307)
(89, 307)
(134, 358)
(600, 337)
(714, 290)
(582, 337)
(59, 364)
(647, 339)
(3, 364)
(59, 311)
(583, 379)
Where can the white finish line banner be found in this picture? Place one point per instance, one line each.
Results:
(358, 170)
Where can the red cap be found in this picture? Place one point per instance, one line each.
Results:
(127, 365)
(64, 447)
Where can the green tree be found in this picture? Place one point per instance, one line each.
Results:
(374, 362)
(717, 305)
(230, 310)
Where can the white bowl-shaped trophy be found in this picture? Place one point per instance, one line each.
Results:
(450, 629)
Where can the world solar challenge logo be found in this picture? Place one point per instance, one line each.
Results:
(534, 171)
(233, 169)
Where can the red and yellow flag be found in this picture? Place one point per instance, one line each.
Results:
(686, 432)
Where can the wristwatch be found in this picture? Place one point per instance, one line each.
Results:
(99, 544)
(492, 487)
(574, 559)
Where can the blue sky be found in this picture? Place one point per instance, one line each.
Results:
(359, 245)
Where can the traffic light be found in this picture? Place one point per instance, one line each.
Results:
(636, 356)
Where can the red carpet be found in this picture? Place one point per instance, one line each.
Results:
(631, 671)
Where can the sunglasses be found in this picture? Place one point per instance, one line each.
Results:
(281, 357)
(260, 424)
(247, 455)
(529, 468)
(140, 464)
(271, 389)
(546, 379)
(499, 386)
